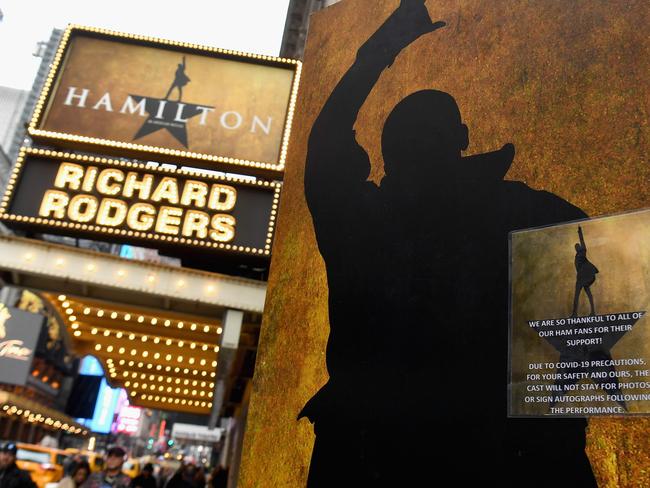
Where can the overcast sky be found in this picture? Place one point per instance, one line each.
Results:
(245, 25)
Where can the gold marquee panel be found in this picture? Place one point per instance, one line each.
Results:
(148, 61)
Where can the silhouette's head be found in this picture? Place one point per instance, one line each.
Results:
(578, 247)
(423, 135)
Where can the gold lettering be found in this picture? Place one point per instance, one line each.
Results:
(196, 221)
(82, 208)
(89, 179)
(194, 191)
(223, 228)
(140, 216)
(168, 220)
(222, 197)
(143, 186)
(14, 349)
(54, 202)
(111, 212)
(103, 181)
(167, 189)
(69, 174)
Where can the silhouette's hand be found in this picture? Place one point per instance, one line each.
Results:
(416, 18)
(406, 24)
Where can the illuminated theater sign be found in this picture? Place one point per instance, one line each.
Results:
(19, 332)
(133, 95)
(99, 197)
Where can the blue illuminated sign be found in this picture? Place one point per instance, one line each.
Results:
(127, 252)
(91, 367)
(106, 399)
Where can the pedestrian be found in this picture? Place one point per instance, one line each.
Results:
(145, 479)
(183, 478)
(11, 476)
(79, 473)
(71, 462)
(219, 477)
(199, 478)
(112, 475)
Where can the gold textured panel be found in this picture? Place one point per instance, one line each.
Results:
(565, 82)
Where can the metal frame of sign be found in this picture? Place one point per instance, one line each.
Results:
(274, 186)
(208, 161)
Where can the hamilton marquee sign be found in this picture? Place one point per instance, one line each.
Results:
(134, 202)
(123, 93)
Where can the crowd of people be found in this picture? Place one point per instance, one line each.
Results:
(11, 476)
(78, 473)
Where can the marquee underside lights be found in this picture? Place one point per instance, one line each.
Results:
(29, 411)
(163, 360)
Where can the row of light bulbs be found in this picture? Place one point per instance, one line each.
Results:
(153, 149)
(130, 233)
(176, 388)
(144, 338)
(290, 112)
(37, 417)
(149, 149)
(186, 44)
(167, 379)
(140, 319)
(157, 367)
(175, 401)
(169, 389)
(156, 355)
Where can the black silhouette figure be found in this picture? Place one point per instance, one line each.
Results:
(585, 275)
(180, 80)
(417, 272)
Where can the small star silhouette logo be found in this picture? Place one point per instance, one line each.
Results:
(168, 115)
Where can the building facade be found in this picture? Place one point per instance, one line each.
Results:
(17, 138)
(297, 25)
(12, 103)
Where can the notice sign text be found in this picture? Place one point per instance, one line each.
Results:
(579, 331)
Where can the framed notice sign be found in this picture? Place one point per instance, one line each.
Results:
(132, 202)
(580, 337)
(124, 93)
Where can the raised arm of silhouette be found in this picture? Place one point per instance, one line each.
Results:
(582, 240)
(337, 166)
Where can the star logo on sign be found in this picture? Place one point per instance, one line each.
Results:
(168, 115)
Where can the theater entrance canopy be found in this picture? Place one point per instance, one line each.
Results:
(159, 331)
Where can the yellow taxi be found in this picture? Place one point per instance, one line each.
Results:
(45, 464)
(95, 460)
(132, 467)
